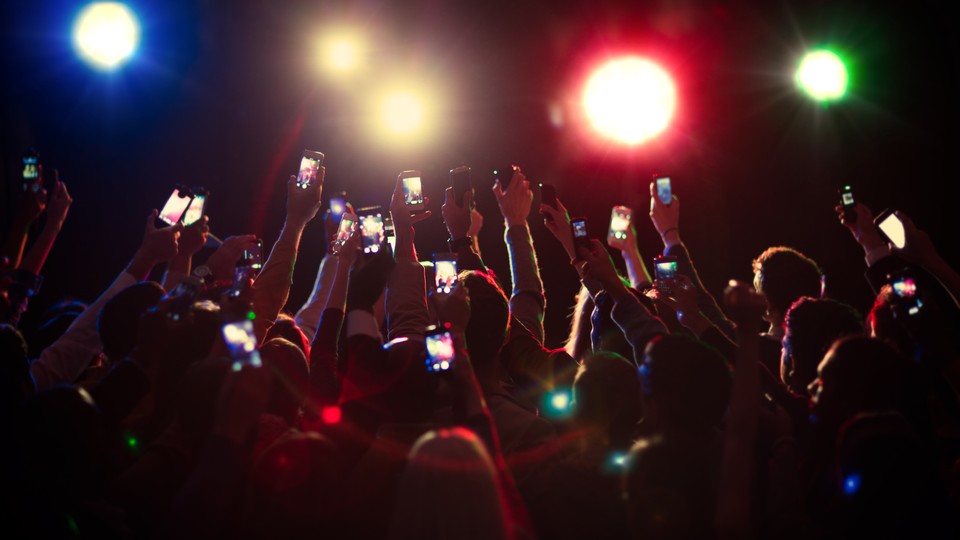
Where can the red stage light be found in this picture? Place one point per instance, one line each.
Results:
(630, 100)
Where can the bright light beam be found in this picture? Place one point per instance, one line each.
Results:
(630, 100)
(342, 53)
(106, 34)
(401, 113)
(822, 75)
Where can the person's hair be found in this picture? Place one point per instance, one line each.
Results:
(286, 327)
(489, 316)
(860, 374)
(811, 328)
(606, 396)
(686, 382)
(120, 317)
(578, 342)
(883, 325)
(297, 487)
(291, 377)
(670, 489)
(449, 489)
(784, 274)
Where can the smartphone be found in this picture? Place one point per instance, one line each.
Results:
(372, 228)
(195, 209)
(460, 182)
(445, 272)
(310, 164)
(441, 356)
(579, 227)
(504, 175)
(906, 291)
(31, 171)
(253, 256)
(548, 195)
(412, 190)
(242, 344)
(666, 273)
(664, 189)
(242, 276)
(619, 223)
(176, 206)
(891, 228)
(348, 224)
(338, 205)
(847, 202)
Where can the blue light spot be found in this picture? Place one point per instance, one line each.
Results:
(851, 484)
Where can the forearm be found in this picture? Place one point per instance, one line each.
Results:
(272, 286)
(946, 275)
(308, 318)
(705, 301)
(178, 268)
(527, 302)
(16, 241)
(34, 260)
(636, 269)
(407, 314)
(639, 326)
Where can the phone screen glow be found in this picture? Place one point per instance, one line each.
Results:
(412, 190)
(619, 223)
(664, 191)
(893, 228)
(441, 352)
(194, 211)
(175, 207)
(446, 275)
(347, 227)
(372, 228)
(580, 229)
(308, 171)
(666, 270)
(242, 344)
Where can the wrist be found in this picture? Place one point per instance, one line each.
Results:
(670, 237)
(514, 221)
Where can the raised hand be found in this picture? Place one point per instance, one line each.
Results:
(862, 228)
(559, 226)
(597, 265)
(194, 237)
(402, 217)
(918, 248)
(515, 203)
(665, 218)
(58, 204)
(303, 204)
(223, 261)
(160, 244)
(458, 218)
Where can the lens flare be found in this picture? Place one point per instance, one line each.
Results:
(106, 35)
(630, 100)
(822, 75)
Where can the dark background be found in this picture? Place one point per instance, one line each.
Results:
(227, 94)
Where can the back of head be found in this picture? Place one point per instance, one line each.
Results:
(860, 374)
(888, 484)
(286, 327)
(296, 486)
(883, 325)
(606, 396)
(489, 316)
(120, 317)
(670, 489)
(811, 328)
(291, 377)
(785, 275)
(449, 489)
(685, 384)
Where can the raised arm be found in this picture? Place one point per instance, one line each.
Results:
(57, 208)
(272, 286)
(29, 207)
(192, 240)
(527, 302)
(308, 318)
(459, 220)
(64, 360)
(407, 314)
(636, 266)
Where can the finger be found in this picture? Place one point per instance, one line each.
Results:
(152, 220)
(497, 191)
(417, 218)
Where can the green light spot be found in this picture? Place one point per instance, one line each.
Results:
(72, 523)
(252, 316)
(822, 75)
(132, 442)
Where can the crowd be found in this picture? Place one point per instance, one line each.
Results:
(197, 407)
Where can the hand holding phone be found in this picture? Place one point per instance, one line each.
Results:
(461, 183)
(664, 189)
(372, 228)
(891, 228)
(253, 256)
(31, 171)
(412, 185)
(441, 353)
(619, 226)
(348, 224)
(666, 274)
(848, 203)
(176, 206)
(445, 272)
(195, 210)
(310, 164)
(581, 238)
(504, 174)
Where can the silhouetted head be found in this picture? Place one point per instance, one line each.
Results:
(449, 489)
(489, 317)
(685, 385)
(291, 377)
(785, 275)
(860, 374)
(286, 327)
(606, 396)
(120, 317)
(669, 489)
(811, 326)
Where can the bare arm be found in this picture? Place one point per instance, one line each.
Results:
(57, 209)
